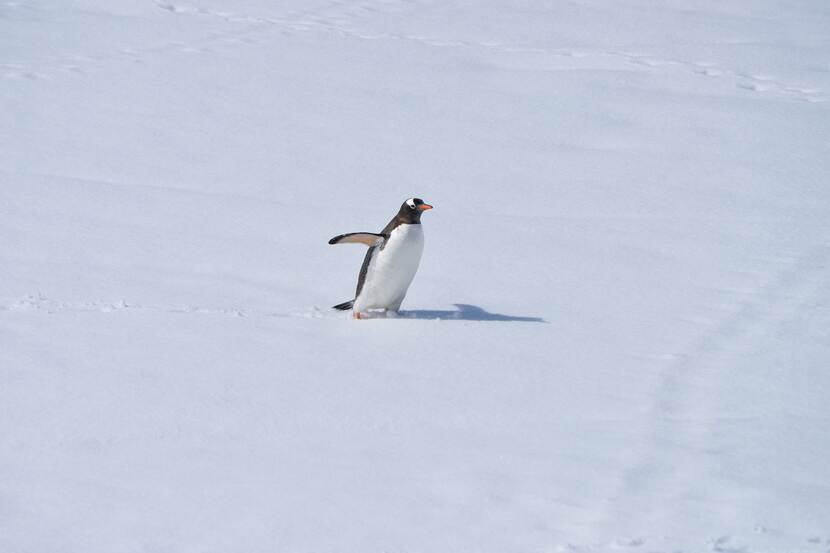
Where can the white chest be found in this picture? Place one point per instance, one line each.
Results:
(392, 269)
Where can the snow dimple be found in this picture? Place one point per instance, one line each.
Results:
(727, 544)
(176, 9)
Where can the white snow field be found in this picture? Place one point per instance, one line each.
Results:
(618, 340)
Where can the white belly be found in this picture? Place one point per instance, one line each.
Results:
(392, 269)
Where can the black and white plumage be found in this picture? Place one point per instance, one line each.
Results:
(391, 262)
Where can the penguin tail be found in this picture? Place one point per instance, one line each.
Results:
(346, 305)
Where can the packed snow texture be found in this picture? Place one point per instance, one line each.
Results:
(618, 339)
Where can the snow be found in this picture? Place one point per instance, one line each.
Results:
(618, 338)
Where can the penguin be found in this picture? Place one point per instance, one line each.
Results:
(391, 262)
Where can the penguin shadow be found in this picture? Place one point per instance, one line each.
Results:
(466, 312)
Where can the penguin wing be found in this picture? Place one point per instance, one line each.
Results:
(368, 238)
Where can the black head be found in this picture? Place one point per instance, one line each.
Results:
(411, 210)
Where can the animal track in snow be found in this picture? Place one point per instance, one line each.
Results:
(755, 83)
(723, 543)
(43, 303)
(341, 18)
(681, 401)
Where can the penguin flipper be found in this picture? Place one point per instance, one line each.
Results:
(344, 306)
(367, 238)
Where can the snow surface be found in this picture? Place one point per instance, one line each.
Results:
(618, 340)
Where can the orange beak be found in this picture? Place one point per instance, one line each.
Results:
(424, 207)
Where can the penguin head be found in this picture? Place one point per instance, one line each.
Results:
(412, 209)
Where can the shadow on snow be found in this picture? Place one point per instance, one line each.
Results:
(467, 312)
